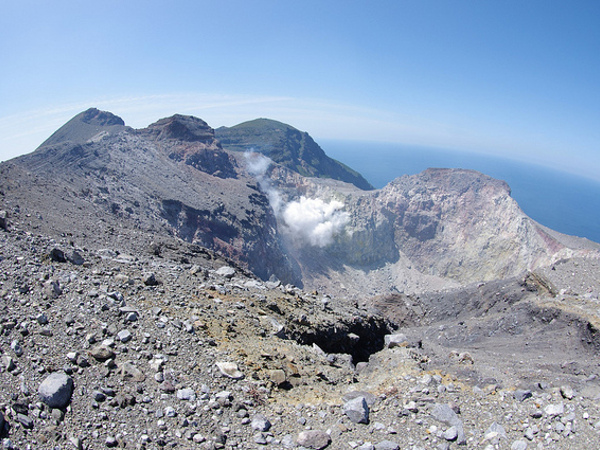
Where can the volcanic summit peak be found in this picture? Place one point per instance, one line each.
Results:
(85, 126)
(181, 127)
(94, 116)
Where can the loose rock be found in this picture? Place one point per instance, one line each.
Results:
(56, 390)
(230, 370)
(357, 410)
(260, 423)
(313, 439)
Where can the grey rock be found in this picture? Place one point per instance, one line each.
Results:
(567, 392)
(445, 414)
(451, 433)
(24, 390)
(98, 396)
(56, 390)
(149, 279)
(260, 423)
(16, 347)
(8, 363)
(224, 398)
(198, 438)
(387, 445)
(101, 352)
(226, 271)
(124, 336)
(42, 318)
(288, 441)
(167, 386)
(75, 258)
(278, 330)
(20, 408)
(25, 421)
(357, 410)
(125, 310)
(518, 445)
(521, 395)
(361, 366)
(52, 289)
(277, 376)
(260, 439)
(57, 414)
(370, 398)
(396, 340)
(82, 361)
(536, 414)
(76, 442)
(57, 255)
(3, 220)
(118, 296)
(555, 409)
(128, 369)
(186, 394)
(313, 439)
(495, 432)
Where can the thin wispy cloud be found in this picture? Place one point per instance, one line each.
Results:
(23, 132)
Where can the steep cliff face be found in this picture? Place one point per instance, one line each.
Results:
(464, 225)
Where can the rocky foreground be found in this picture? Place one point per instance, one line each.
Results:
(103, 349)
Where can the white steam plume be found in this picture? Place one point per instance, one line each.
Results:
(307, 221)
(257, 166)
(312, 221)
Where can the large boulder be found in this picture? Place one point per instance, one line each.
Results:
(56, 390)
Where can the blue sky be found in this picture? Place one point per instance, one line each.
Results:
(513, 78)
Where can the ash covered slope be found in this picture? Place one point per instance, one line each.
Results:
(127, 189)
(85, 126)
(289, 147)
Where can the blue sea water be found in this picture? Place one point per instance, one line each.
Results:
(556, 199)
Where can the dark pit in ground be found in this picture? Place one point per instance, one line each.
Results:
(359, 338)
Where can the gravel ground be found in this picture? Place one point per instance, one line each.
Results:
(201, 355)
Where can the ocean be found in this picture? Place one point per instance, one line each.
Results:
(556, 199)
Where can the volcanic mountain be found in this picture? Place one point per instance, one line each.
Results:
(288, 147)
(175, 185)
(136, 311)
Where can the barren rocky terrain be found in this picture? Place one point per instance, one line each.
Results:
(149, 295)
